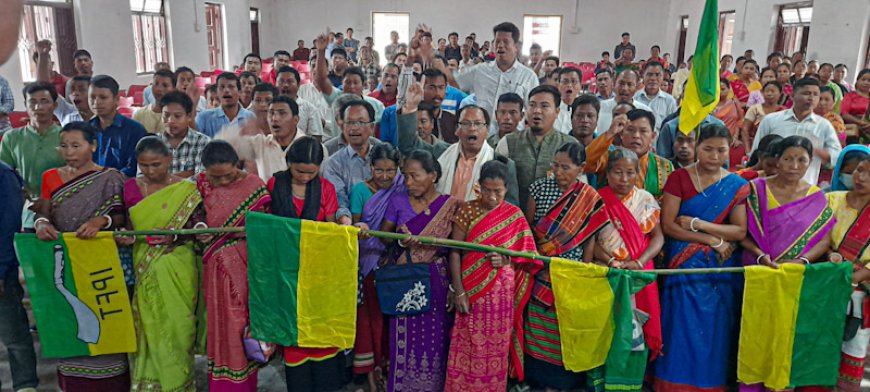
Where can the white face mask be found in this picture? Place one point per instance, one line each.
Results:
(847, 181)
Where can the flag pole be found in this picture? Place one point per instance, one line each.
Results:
(431, 241)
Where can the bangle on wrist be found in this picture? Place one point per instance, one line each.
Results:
(639, 264)
(200, 225)
(719, 245)
(450, 288)
(758, 259)
(40, 220)
(109, 224)
(462, 294)
(609, 262)
(692, 224)
(805, 260)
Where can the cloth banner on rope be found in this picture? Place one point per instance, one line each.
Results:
(78, 294)
(594, 308)
(302, 281)
(792, 328)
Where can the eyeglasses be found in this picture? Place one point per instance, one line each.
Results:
(472, 125)
(357, 124)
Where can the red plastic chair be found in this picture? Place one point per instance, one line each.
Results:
(136, 91)
(19, 119)
(126, 112)
(126, 102)
(588, 70)
(267, 66)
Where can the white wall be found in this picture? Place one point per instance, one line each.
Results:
(601, 22)
(838, 32)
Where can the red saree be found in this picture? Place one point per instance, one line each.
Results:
(505, 227)
(636, 241)
(225, 281)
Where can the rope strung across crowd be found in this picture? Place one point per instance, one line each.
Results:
(427, 241)
(440, 225)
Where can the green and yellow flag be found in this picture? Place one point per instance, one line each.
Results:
(302, 281)
(593, 304)
(78, 293)
(701, 94)
(792, 327)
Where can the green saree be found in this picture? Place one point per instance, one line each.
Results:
(165, 299)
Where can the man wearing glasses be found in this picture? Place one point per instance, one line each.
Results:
(352, 163)
(569, 79)
(460, 162)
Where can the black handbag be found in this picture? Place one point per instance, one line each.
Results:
(403, 289)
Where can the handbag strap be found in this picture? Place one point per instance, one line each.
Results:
(390, 257)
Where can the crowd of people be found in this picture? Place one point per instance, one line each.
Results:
(471, 142)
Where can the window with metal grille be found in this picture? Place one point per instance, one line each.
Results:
(150, 38)
(47, 20)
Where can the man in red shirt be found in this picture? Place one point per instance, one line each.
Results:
(389, 85)
(301, 53)
(280, 59)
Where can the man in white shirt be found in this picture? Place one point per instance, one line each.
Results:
(267, 151)
(626, 87)
(74, 107)
(287, 81)
(800, 120)
(569, 87)
(661, 103)
(490, 80)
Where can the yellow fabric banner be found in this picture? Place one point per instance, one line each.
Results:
(328, 262)
(99, 283)
(771, 300)
(584, 305)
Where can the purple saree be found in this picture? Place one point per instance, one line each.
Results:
(418, 344)
(788, 231)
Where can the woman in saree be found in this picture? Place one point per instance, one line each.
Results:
(491, 290)
(368, 205)
(844, 171)
(746, 83)
(772, 92)
(630, 241)
(850, 241)
(788, 219)
(566, 215)
(756, 97)
(702, 221)
(227, 194)
(785, 78)
(418, 344)
(855, 107)
(84, 198)
(731, 114)
(299, 192)
(167, 272)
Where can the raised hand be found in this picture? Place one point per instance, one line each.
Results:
(321, 42)
(413, 97)
(43, 47)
